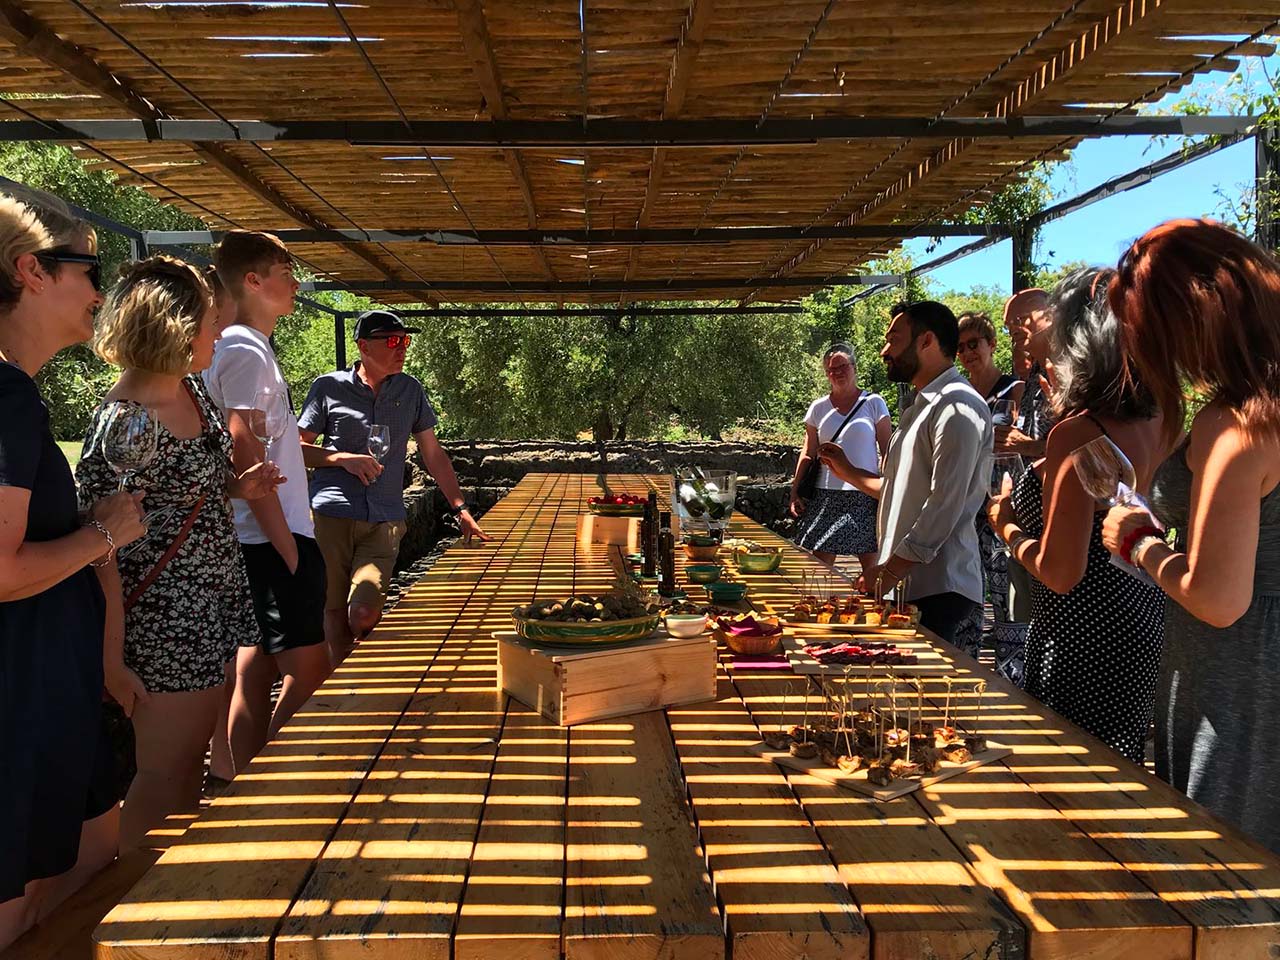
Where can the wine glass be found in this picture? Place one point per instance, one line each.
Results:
(129, 441)
(269, 417)
(1108, 476)
(1003, 413)
(1105, 472)
(379, 441)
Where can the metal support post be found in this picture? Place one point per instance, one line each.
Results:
(340, 339)
(1266, 160)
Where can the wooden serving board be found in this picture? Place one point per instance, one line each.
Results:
(857, 780)
(888, 633)
(930, 661)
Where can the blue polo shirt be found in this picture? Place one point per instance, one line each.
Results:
(341, 407)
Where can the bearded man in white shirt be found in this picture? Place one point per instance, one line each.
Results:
(936, 475)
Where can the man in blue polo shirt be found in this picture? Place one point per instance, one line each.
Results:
(358, 498)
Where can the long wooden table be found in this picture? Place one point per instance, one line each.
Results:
(411, 811)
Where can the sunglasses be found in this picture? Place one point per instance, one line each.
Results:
(971, 344)
(59, 256)
(396, 340)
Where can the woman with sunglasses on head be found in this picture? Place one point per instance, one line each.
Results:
(835, 517)
(58, 801)
(1093, 646)
(178, 605)
(1003, 392)
(1200, 307)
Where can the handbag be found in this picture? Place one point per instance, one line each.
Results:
(808, 484)
(183, 532)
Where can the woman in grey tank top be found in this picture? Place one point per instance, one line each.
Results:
(1200, 304)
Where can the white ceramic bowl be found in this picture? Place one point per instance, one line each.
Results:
(686, 625)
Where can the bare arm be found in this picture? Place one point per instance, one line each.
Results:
(125, 687)
(1060, 557)
(884, 430)
(438, 464)
(27, 568)
(247, 450)
(1213, 580)
(361, 465)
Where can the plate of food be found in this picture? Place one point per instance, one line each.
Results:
(854, 614)
(752, 634)
(586, 620)
(617, 505)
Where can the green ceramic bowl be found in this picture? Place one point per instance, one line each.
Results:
(758, 562)
(728, 592)
(703, 572)
(559, 633)
(616, 509)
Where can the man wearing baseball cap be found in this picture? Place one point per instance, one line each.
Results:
(366, 414)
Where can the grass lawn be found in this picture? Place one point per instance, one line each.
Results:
(71, 450)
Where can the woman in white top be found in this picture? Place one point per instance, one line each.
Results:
(839, 520)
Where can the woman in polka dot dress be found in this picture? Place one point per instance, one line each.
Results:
(1093, 648)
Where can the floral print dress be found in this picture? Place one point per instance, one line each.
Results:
(187, 624)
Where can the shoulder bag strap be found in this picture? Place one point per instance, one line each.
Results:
(183, 532)
(852, 413)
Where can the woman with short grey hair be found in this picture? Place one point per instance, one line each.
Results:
(1093, 648)
(835, 518)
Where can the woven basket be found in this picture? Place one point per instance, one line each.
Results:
(748, 645)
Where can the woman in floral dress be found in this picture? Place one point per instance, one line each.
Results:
(177, 605)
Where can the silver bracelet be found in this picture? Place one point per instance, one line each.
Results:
(1140, 546)
(111, 544)
(1018, 541)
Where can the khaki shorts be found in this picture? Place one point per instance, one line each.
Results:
(358, 557)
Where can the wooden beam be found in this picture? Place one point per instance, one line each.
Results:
(34, 38)
(474, 29)
(1090, 42)
(692, 33)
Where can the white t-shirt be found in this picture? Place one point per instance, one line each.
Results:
(858, 439)
(244, 363)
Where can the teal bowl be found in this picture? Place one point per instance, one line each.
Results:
(703, 572)
(729, 592)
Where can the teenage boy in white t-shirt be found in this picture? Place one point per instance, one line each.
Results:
(286, 569)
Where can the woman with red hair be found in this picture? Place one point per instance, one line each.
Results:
(1200, 308)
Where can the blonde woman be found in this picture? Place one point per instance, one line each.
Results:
(178, 606)
(58, 813)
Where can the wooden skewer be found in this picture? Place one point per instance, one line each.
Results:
(979, 688)
(782, 722)
(946, 710)
(804, 722)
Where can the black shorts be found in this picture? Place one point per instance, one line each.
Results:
(289, 606)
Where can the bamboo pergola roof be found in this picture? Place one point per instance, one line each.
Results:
(662, 61)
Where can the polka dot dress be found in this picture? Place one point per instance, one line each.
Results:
(1093, 654)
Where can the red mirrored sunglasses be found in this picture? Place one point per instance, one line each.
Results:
(396, 340)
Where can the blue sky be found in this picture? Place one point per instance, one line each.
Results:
(1099, 233)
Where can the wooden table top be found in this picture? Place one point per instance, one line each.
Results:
(411, 811)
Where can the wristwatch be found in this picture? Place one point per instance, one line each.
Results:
(457, 511)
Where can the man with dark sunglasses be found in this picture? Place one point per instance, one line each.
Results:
(357, 489)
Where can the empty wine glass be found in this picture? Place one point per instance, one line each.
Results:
(1105, 472)
(1108, 477)
(1003, 413)
(129, 441)
(269, 417)
(379, 441)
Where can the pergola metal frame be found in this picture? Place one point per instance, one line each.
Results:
(1267, 170)
(612, 134)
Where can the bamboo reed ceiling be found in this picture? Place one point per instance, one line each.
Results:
(632, 59)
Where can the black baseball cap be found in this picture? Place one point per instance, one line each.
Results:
(380, 323)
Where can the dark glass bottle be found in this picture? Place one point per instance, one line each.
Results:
(666, 557)
(649, 536)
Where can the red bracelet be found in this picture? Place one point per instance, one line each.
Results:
(1131, 541)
